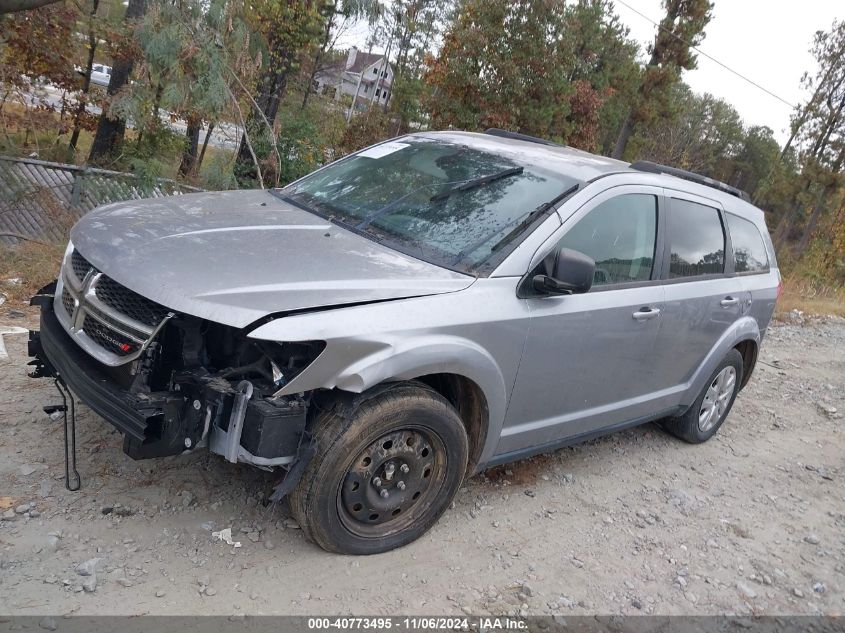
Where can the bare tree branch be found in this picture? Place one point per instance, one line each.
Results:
(246, 135)
(266, 122)
(10, 6)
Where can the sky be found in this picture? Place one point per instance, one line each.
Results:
(768, 41)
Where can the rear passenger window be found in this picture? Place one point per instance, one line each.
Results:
(749, 251)
(696, 240)
(619, 234)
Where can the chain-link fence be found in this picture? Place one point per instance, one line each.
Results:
(41, 200)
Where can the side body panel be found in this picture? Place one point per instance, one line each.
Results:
(611, 376)
(586, 363)
(478, 333)
(698, 310)
(586, 366)
(694, 321)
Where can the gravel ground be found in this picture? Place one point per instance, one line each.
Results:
(633, 523)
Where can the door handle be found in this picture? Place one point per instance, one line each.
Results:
(728, 301)
(644, 314)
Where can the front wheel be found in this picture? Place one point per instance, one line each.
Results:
(712, 406)
(382, 477)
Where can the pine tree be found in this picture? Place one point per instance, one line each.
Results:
(679, 31)
(819, 130)
(536, 66)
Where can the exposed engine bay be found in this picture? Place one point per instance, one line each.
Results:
(216, 386)
(192, 383)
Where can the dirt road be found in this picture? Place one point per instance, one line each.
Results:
(638, 522)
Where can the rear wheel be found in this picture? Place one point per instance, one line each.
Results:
(381, 478)
(712, 406)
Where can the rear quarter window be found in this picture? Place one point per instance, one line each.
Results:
(749, 250)
(696, 240)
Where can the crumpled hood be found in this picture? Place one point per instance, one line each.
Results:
(235, 257)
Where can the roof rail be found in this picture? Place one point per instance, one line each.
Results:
(654, 168)
(494, 131)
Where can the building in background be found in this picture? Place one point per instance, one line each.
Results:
(368, 75)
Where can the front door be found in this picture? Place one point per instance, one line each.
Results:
(587, 359)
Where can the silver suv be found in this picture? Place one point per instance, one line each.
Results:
(412, 314)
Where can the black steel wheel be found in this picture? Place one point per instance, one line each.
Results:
(397, 473)
(383, 478)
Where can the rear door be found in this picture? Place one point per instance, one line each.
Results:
(702, 296)
(586, 362)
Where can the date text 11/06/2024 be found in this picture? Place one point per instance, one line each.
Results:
(418, 623)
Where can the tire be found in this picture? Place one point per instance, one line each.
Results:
(695, 426)
(407, 440)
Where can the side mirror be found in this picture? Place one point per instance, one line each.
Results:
(572, 273)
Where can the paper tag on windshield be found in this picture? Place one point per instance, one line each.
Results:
(383, 150)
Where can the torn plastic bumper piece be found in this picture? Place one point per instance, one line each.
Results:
(156, 424)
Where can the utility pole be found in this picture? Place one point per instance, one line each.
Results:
(382, 67)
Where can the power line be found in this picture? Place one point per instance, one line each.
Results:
(710, 57)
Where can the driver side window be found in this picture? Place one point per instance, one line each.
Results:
(619, 234)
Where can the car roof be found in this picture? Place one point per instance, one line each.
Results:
(575, 163)
(585, 167)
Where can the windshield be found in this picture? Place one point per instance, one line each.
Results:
(446, 203)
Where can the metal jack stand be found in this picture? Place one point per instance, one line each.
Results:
(70, 438)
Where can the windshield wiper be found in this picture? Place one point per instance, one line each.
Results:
(521, 223)
(531, 215)
(476, 182)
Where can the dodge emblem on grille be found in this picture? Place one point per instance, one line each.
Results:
(108, 320)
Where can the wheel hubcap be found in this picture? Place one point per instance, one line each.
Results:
(394, 475)
(716, 399)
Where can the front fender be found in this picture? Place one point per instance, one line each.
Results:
(355, 364)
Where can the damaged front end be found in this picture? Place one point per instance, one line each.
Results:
(169, 382)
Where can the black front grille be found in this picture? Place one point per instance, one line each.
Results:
(80, 265)
(67, 302)
(129, 303)
(107, 338)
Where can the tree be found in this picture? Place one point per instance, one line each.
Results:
(419, 24)
(755, 159)
(704, 134)
(821, 139)
(288, 28)
(601, 62)
(493, 69)
(40, 44)
(111, 127)
(679, 31)
(537, 66)
(82, 97)
(11, 6)
(192, 52)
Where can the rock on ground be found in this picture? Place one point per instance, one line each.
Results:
(637, 522)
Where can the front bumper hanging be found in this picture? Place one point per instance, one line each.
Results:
(200, 411)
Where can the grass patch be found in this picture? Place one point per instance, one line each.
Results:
(810, 299)
(790, 301)
(41, 132)
(34, 264)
